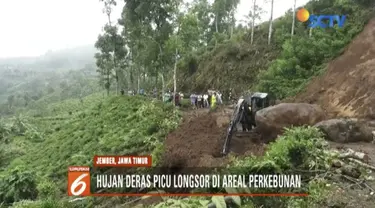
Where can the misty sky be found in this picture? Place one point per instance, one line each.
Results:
(32, 27)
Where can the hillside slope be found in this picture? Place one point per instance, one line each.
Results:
(284, 66)
(233, 63)
(79, 130)
(347, 87)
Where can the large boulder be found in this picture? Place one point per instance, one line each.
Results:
(346, 130)
(271, 121)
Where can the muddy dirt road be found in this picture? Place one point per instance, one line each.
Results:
(199, 140)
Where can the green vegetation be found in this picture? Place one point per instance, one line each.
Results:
(217, 54)
(34, 149)
(301, 150)
(305, 56)
(53, 119)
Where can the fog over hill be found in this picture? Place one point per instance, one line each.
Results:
(68, 59)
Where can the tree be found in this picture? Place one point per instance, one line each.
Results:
(270, 24)
(253, 22)
(294, 18)
(202, 10)
(112, 48)
(223, 12)
(252, 17)
(232, 11)
(103, 62)
(147, 28)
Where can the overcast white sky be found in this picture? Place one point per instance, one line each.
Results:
(32, 27)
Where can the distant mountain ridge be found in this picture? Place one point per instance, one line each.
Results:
(70, 58)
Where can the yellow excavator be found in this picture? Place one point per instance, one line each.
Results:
(244, 115)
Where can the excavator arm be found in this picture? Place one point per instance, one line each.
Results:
(244, 113)
(236, 118)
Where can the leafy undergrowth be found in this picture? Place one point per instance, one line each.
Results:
(45, 107)
(283, 67)
(307, 54)
(117, 125)
(234, 59)
(300, 150)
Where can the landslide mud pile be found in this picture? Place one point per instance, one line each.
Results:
(348, 86)
(198, 141)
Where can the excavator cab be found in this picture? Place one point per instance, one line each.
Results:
(244, 114)
(259, 100)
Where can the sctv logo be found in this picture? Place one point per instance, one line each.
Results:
(318, 20)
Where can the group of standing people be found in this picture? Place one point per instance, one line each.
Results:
(133, 92)
(203, 100)
(206, 100)
(168, 97)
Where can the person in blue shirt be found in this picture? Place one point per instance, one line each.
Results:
(193, 99)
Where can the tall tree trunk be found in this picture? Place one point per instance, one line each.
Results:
(113, 55)
(253, 23)
(233, 22)
(270, 27)
(156, 79)
(310, 30)
(138, 80)
(131, 72)
(131, 77)
(162, 85)
(162, 70)
(144, 77)
(174, 78)
(117, 85)
(216, 27)
(107, 85)
(294, 18)
(116, 76)
(216, 23)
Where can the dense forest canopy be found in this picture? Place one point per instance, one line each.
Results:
(198, 45)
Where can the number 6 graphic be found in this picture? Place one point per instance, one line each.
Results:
(78, 182)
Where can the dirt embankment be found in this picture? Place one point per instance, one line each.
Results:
(347, 87)
(199, 139)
